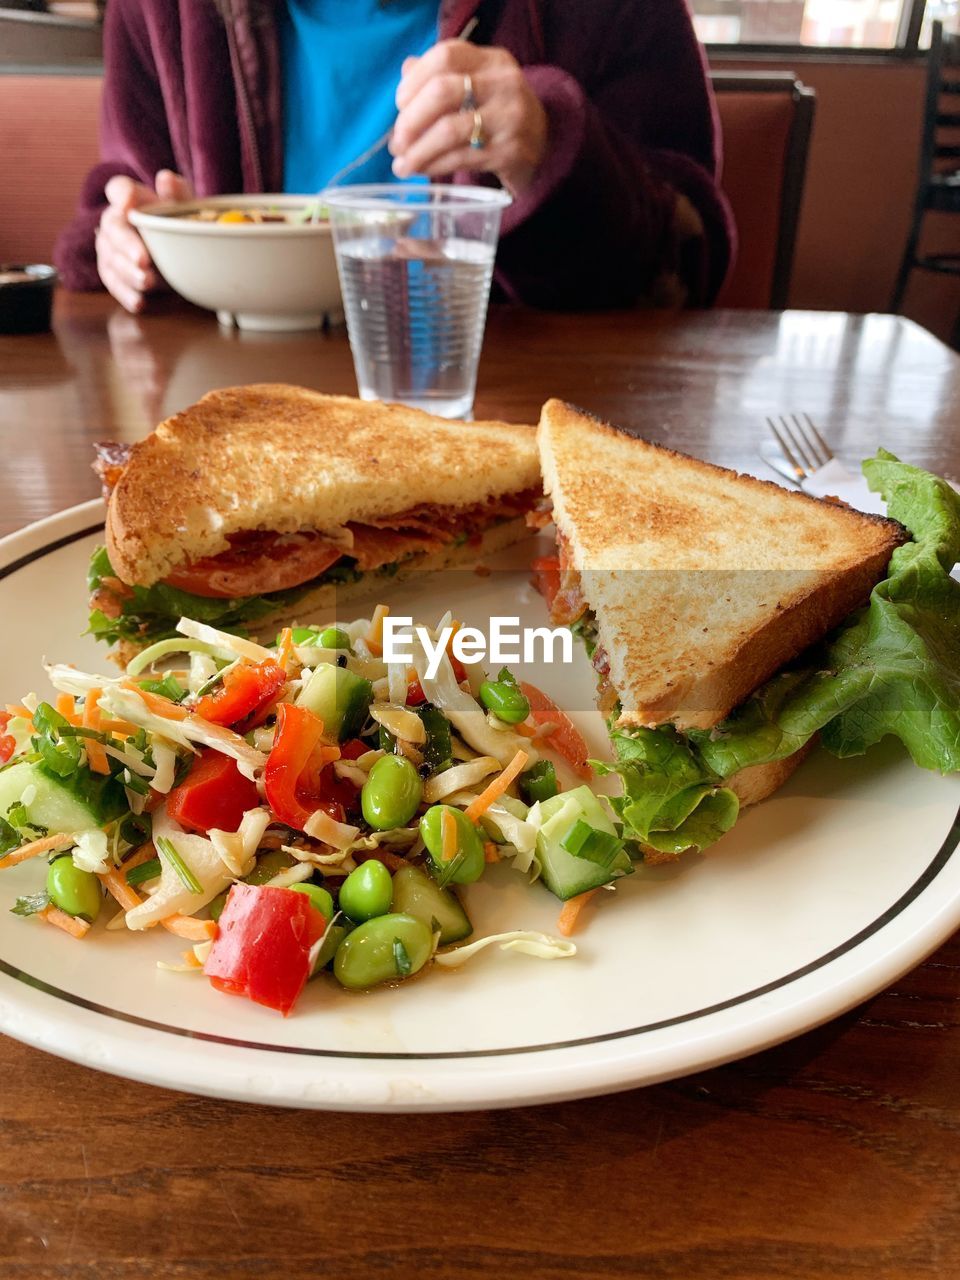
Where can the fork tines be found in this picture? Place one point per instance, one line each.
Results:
(802, 444)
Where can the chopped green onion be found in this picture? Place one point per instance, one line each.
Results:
(400, 958)
(187, 878)
(168, 687)
(144, 872)
(80, 731)
(139, 786)
(539, 783)
(584, 841)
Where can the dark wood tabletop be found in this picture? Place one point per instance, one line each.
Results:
(835, 1155)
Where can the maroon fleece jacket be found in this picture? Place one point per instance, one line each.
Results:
(194, 86)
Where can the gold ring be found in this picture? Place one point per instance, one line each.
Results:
(477, 140)
(469, 102)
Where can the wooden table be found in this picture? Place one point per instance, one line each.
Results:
(836, 1155)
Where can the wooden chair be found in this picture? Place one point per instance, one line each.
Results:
(938, 184)
(766, 120)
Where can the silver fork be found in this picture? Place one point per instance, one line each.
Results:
(803, 446)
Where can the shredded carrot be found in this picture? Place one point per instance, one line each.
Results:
(115, 882)
(69, 924)
(570, 912)
(497, 787)
(123, 727)
(18, 709)
(285, 647)
(374, 636)
(31, 850)
(96, 755)
(159, 705)
(490, 852)
(191, 928)
(138, 857)
(67, 706)
(448, 836)
(189, 958)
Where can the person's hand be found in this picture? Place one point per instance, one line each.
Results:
(122, 259)
(432, 132)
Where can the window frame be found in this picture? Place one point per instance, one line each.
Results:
(907, 47)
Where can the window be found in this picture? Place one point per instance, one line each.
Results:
(893, 25)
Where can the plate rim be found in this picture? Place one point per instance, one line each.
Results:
(29, 1022)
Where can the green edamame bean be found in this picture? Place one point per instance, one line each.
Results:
(337, 930)
(468, 862)
(74, 891)
(539, 783)
(334, 638)
(383, 949)
(391, 793)
(319, 896)
(505, 701)
(367, 891)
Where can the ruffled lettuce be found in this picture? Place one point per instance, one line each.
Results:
(152, 613)
(892, 669)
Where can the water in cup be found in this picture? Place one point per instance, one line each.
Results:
(415, 270)
(416, 311)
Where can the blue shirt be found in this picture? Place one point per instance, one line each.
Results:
(341, 67)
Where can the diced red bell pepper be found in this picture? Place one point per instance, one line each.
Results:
(353, 749)
(299, 734)
(247, 693)
(213, 794)
(262, 947)
(8, 743)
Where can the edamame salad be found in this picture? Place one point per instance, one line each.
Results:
(297, 810)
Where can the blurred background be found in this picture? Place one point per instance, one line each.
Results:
(826, 230)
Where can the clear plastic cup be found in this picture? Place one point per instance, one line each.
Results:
(415, 263)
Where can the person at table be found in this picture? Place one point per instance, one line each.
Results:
(598, 118)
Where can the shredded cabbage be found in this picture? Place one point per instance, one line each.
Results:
(339, 835)
(90, 852)
(526, 941)
(238, 849)
(171, 894)
(457, 777)
(163, 648)
(223, 642)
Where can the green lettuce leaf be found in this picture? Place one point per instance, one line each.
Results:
(152, 613)
(892, 669)
(671, 800)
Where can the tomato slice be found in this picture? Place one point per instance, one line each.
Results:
(247, 692)
(262, 947)
(546, 575)
(566, 739)
(257, 562)
(213, 794)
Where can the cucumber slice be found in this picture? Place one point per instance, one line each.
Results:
(339, 698)
(564, 874)
(416, 893)
(72, 804)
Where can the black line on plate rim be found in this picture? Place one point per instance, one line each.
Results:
(926, 878)
(45, 550)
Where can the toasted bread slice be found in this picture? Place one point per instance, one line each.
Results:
(284, 458)
(704, 582)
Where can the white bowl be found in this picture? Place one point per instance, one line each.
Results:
(276, 276)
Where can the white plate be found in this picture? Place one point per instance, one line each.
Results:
(821, 897)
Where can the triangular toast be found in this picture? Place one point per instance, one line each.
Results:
(704, 582)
